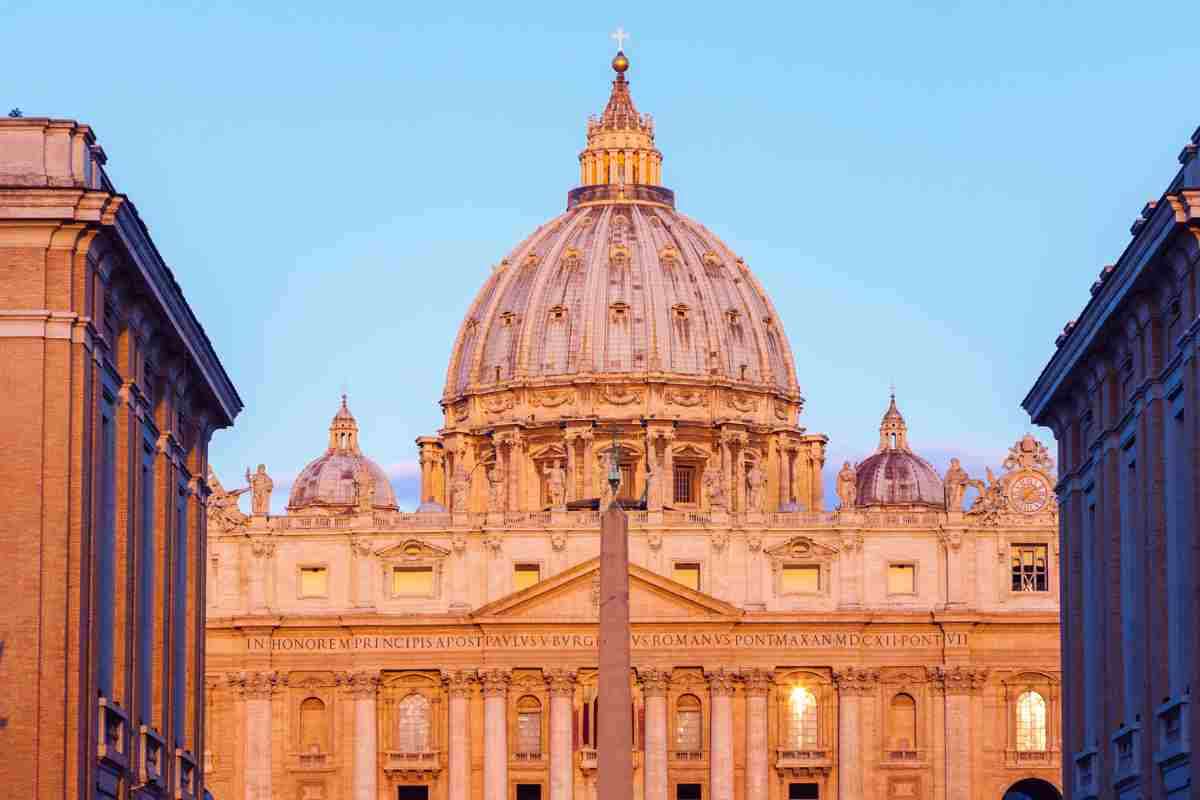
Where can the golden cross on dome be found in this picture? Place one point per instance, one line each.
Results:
(620, 36)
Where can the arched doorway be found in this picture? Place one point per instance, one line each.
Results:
(1032, 789)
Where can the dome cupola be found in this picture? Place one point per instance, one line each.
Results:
(895, 475)
(342, 479)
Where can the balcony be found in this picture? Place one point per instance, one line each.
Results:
(412, 765)
(589, 759)
(1086, 766)
(686, 756)
(1031, 758)
(528, 757)
(1174, 743)
(151, 750)
(807, 763)
(185, 775)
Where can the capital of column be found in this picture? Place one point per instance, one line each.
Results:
(459, 682)
(958, 679)
(856, 681)
(495, 682)
(360, 546)
(359, 684)
(494, 543)
(262, 546)
(655, 682)
(561, 682)
(758, 682)
(721, 682)
(951, 539)
(256, 685)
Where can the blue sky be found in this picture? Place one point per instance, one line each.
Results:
(926, 191)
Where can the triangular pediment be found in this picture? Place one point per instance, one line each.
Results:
(573, 596)
(803, 547)
(412, 549)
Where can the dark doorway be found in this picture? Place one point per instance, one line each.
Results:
(804, 791)
(529, 791)
(412, 793)
(1032, 789)
(687, 791)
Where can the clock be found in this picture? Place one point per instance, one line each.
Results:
(1028, 494)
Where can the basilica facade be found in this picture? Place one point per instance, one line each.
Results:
(904, 644)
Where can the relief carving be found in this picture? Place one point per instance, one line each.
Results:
(620, 395)
(688, 398)
(744, 403)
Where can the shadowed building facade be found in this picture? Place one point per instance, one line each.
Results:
(904, 645)
(111, 393)
(1120, 394)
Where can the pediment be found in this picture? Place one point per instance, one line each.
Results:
(573, 596)
(803, 547)
(412, 550)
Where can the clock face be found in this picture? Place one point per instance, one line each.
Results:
(1029, 494)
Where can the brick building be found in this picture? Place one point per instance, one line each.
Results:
(1120, 394)
(111, 394)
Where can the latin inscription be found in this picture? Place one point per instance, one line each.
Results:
(587, 641)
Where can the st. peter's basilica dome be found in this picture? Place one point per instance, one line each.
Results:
(335, 479)
(895, 475)
(621, 287)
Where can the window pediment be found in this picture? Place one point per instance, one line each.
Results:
(802, 548)
(412, 551)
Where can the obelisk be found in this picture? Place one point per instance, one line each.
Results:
(615, 718)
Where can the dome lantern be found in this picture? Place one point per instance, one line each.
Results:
(343, 431)
(893, 432)
(620, 147)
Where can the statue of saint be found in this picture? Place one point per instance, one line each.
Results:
(223, 511)
(495, 476)
(956, 483)
(847, 486)
(261, 487)
(460, 488)
(756, 483)
(364, 487)
(556, 485)
(714, 489)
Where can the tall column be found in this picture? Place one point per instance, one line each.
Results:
(852, 684)
(589, 464)
(959, 684)
(571, 490)
(362, 687)
(562, 695)
(256, 689)
(758, 685)
(654, 770)
(721, 686)
(262, 548)
(495, 733)
(754, 594)
(458, 774)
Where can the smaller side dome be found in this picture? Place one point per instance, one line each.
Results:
(332, 481)
(895, 475)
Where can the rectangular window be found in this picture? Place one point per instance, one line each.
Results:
(688, 574)
(146, 573)
(106, 547)
(525, 575)
(801, 579)
(685, 483)
(529, 733)
(314, 582)
(902, 578)
(181, 624)
(688, 734)
(628, 483)
(1029, 568)
(412, 581)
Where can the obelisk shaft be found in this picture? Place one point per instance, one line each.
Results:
(615, 720)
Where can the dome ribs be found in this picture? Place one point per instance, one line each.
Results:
(539, 301)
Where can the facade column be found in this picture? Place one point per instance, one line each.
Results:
(852, 577)
(571, 490)
(262, 549)
(458, 775)
(959, 684)
(256, 689)
(754, 592)
(495, 733)
(758, 685)
(721, 685)
(589, 464)
(952, 540)
(654, 769)
(363, 688)
(360, 553)
(562, 696)
(852, 684)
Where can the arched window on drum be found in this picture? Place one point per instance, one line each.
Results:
(412, 724)
(313, 726)
(802, 722)
(1031, 722)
